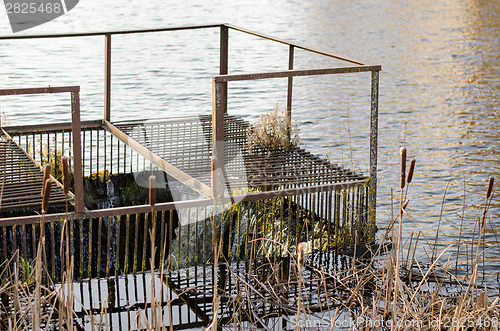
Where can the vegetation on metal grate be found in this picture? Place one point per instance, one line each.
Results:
(272, 132)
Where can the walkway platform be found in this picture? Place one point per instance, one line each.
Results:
(21, 181)
(186, 144)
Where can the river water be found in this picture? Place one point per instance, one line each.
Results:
(439, 90)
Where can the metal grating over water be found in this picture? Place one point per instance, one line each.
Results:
(187, 144)
(185, 297)
(21, 180)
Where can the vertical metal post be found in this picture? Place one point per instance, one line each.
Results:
(77, 151)
(372, 199)
(224, 54)
(290, 85)
(107, 78)
(217, 140)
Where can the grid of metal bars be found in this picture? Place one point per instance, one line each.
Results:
(21, 182)
(186, 143)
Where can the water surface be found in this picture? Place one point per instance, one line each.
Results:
(439, 93)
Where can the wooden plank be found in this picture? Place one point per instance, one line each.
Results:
(158, 161)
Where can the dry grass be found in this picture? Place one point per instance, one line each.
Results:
(4, 120)
(272, 132)
(386, 291)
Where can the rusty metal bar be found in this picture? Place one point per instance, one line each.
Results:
(224, 54)
(107, 77)
(91, 34)
(77, 152)
(183, 204)
(372, 199)
(217, 139)
(290, 86)
(292, 73)
(39, 90)
(55, 127)
(158, 161)
(286, 42)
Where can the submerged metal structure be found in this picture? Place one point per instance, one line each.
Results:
(246, 200)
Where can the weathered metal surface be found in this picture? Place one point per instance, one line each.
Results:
(220, 83)
(187, 144)
(294, 73)
(373, 151)
(224, 64)
(107, 77)
(119, 32)
(158, 161)
(54, 127)
(21, 179)
(39, 90)
(219, 99)
(291, 52)
(76, 131)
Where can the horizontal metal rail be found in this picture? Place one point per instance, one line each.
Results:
(115, 32)
(294, 73)
(55, 127)
(180, 28)
(39, 90)
(165, 206)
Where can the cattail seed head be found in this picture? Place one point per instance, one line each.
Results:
(46, 175)
(301, 252)
(152, 190)
(46, 195)
(410, 171)
(490, 187)
(65, 173)
(402, 152)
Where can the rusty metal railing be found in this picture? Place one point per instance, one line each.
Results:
(115, 241)
(75, 129)
(219, 107)
(220, 88)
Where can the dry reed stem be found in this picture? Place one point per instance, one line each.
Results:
(65, 173)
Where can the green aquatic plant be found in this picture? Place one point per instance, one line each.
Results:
(48, 154)
(26, 272)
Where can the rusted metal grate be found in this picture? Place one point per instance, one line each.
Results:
(21, 180)
(186, 296)
(187, 144)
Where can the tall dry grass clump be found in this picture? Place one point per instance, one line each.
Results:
(383, 290)
(272, 132)
(4, 120)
